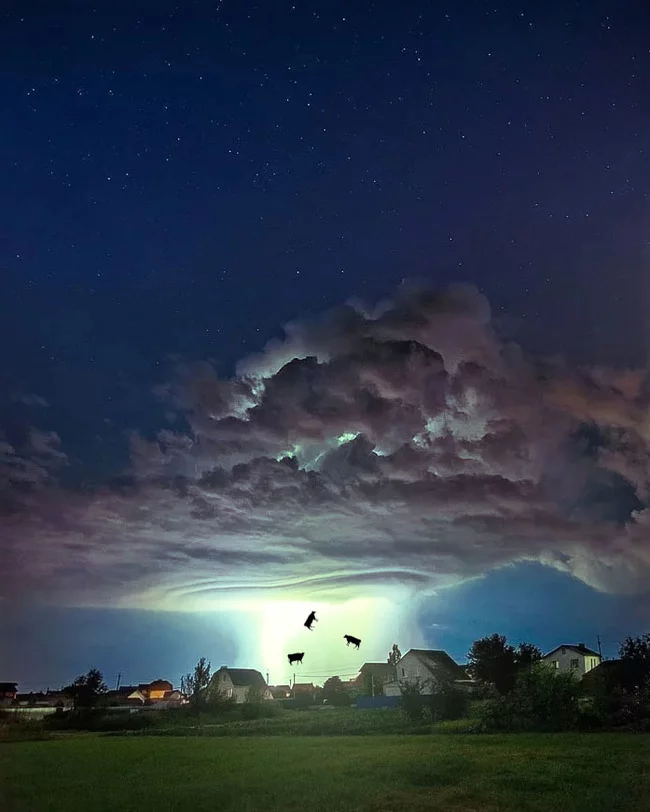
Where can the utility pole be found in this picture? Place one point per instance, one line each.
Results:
(267, 677)
(600, 647)
(119, 677)
(294, 684)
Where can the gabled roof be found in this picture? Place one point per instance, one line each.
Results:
(244, 677)
(155, 685)
(579, 649)
(304, 687)
(435, 660)
(380, 671)
(123, 690)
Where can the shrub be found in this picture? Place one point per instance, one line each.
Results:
(412, 701)
(99, 721)
(449, 703)
(257, 710)
(541, 700)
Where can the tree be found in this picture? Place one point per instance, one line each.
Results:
(526, 655)
(492, 660)
(195, 685)
(87, 689)
(634, 653)
(394, 655)
(335, 692)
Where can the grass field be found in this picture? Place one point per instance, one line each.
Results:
(594, 772)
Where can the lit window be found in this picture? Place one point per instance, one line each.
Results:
(554, 664)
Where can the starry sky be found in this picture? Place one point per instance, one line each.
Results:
(320, 301)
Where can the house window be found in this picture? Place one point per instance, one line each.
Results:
(554, 664)
(574, 663)
(403, 673)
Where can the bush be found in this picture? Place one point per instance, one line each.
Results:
(413, 703)
(257, 710)
(540, 701)
(99, 721)
(448, 704)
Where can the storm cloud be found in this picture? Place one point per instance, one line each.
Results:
(398, 444)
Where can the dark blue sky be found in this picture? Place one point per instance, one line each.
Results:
(185, 178)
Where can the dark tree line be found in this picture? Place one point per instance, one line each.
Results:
(493, 660)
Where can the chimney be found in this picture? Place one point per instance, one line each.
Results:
(582, 646)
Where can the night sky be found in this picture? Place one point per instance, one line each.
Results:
(438, 215)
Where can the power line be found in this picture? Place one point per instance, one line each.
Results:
(329, 674)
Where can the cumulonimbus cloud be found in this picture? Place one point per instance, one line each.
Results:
(400, 444)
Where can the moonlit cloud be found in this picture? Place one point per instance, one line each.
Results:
(396, 447)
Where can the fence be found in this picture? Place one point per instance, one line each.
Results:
(372, 702)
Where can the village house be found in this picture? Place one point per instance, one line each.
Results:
(239, 683)
(160, 693)
(429, 666)
(304, 690)
(373, 676)
(280, 691)
(44, 699)
(573, 657)
(125, 695)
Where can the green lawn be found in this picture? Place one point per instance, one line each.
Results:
(592, 772)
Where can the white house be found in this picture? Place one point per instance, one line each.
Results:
(572, 657)
(237, 682)
(429, 666)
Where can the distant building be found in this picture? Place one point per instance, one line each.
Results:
(429, 666)
(373, 677)
(160, 693)
(44, 699)
(238, 682)
(280, 691)
(304, 690)
(572, 657)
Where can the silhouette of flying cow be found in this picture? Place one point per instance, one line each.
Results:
(311, 619)
(354, 640)
(296, 658)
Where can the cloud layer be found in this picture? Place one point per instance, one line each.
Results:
(402, 444)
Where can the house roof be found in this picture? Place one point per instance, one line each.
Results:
(244, 677)
(123, 690)
(305, 687)
(435, 659)
(380, 671)
(612, 671)
(579, 648)
(155, 685)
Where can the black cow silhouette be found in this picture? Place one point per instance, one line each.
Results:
(354, 640)
(296, 658)
(311, 619)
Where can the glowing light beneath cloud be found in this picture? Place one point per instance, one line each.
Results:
(378, 622)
